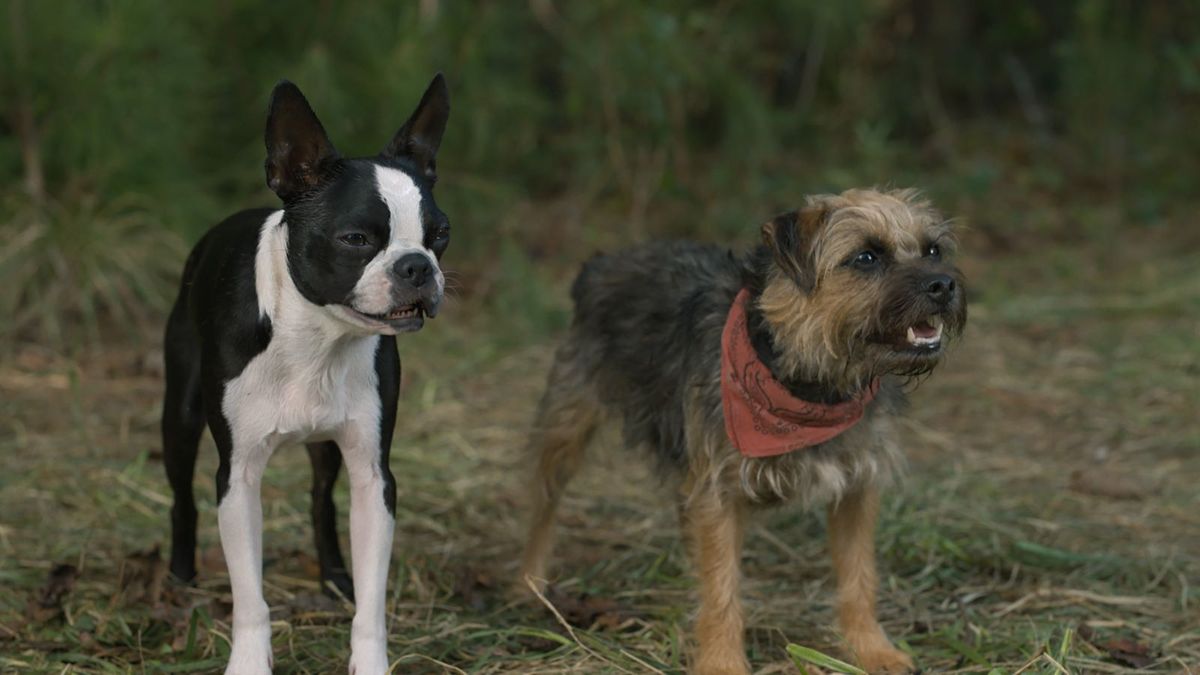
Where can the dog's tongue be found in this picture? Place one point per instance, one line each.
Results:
(924, 330)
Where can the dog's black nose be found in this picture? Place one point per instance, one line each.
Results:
(414, 268)
(939, 288)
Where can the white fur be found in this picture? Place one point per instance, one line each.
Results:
(373, 292)
(316, 380)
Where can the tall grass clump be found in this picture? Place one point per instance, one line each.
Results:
(580, 125)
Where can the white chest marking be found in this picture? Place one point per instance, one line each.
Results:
(313, 379)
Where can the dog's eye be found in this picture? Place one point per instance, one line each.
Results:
(442, 234)
(933, 251)
(353, 239)
(866, 259)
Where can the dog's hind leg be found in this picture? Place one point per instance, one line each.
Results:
(567, 418)
(326, 459)
(182, 424)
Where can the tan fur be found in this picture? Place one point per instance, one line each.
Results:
(819, 334)
(714, 529)
(566, 420)
(852, 545)
(816, 333)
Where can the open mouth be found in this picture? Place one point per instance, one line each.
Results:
(407, 311)
(924, 335)
(413, 311)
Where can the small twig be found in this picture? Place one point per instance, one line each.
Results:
(1030, 663)
(571, 631)
(1056, 664)
(409, 657)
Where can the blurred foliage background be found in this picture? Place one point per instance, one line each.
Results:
(1052, 510)
(128, 127)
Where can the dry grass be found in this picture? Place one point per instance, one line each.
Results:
(1050, 522)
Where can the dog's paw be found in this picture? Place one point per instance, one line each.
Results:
(886, 661)
(251, 654)
(368, 658)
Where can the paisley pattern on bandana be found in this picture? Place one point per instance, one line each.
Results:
(764, 419)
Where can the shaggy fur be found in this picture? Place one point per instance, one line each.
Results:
(645, 349)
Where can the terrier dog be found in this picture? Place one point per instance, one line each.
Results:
(758, 381)
(284, 332)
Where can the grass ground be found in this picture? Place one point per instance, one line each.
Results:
(1050, 521)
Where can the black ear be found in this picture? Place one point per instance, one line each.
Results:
(421, 135)
(298, 150)
(790, 237)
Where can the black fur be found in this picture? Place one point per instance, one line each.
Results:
(215, 328)
(651, 319)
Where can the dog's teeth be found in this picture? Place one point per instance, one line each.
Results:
(403, 313)
(922, 340)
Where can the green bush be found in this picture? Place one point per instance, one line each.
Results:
(575, 125)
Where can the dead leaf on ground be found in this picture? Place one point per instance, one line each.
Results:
(587, 611)
(1128, 652)
(142, 576)
(179, 618)
(46, 604)
(307, 565)
(1124, 651)
(1111, 482)
(476, 587)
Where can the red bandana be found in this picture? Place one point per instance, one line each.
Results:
(762, 418)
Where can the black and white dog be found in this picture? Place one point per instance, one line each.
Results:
(284, 333)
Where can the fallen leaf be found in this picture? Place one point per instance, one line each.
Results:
(1124, 651)
(587, 611)
(1128, 652)
(475, 587)
(46, 604)
(309, 566)
(142, 576)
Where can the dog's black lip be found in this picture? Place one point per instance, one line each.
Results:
(918, 350)
(899, 342)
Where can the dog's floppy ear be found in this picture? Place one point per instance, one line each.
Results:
(790, 238)
(298, 149)
(421, 135)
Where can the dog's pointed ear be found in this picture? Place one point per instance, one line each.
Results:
(790, 236)
(421, 135)
(298, 150)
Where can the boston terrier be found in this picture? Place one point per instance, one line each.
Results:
(283, 333)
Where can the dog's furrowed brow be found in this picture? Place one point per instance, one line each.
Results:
(941, 234)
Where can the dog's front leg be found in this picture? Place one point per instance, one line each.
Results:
(713, 525)
(852, 543)
(239, 516)
(372, 503)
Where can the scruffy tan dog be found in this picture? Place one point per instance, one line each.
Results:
(759, 381)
